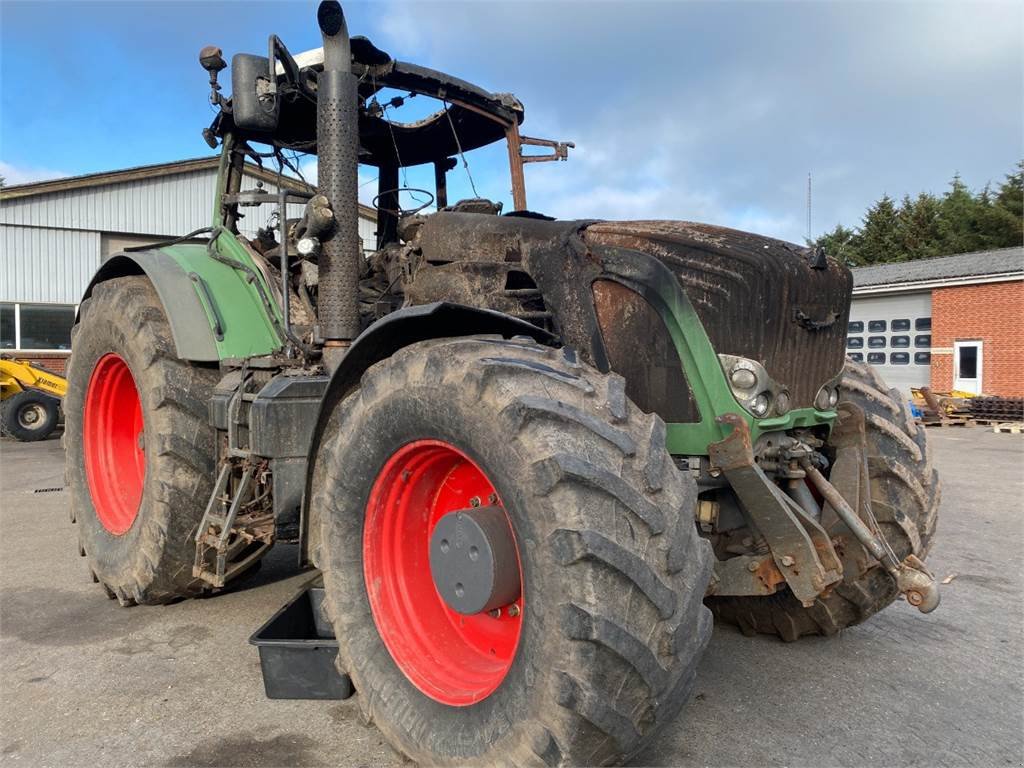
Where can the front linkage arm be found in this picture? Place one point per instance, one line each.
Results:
(912, 578)
(802, 553)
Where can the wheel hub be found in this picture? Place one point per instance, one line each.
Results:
(473, 560)
(30, 417)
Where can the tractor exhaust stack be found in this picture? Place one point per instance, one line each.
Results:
(338, 151)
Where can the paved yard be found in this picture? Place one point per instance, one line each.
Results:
(84, 682)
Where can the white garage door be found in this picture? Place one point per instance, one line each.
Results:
(893, 333)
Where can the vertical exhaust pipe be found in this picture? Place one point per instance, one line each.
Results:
(337, 132)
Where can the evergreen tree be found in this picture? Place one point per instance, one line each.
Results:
(919, 227)
(926, 226)
(960, 220)
(1009, 204)
(841, 243)
(880, 234)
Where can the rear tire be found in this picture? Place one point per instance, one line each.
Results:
(139, 545)
(905, 495)
(29, 416)
(613, 572)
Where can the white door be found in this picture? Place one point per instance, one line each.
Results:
(967, 366)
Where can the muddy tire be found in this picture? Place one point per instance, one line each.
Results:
(29, 416)
(905, 494)
(612, 571)
(139, 448)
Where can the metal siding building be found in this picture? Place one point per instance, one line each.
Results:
(55, 234)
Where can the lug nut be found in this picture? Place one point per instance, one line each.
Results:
(495, 614)
(513, 610)
(475, 501)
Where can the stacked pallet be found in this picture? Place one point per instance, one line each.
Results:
(997, 409)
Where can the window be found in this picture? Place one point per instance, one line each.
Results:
(900, 325)
(924, 340)
(899, 358)
(876, 326)
(876, 342)
(923, 324)
(857, 357)
(922, 358)
(36, 326)
(899, 342)
(856, 326)
(7, 340)
(854, 342)
(968, 368)
(876, 358)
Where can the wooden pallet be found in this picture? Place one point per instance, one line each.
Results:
(1009, 427)
(948, 421)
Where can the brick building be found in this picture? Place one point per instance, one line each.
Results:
(955, 322)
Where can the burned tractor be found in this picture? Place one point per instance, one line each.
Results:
(530, 457)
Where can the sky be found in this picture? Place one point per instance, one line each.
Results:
(701, 111)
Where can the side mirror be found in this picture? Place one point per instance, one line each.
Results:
(254, 104)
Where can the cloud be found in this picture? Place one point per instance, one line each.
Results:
(14, 174)
(718, 111)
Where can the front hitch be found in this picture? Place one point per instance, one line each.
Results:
(913, 580)
(798, 550)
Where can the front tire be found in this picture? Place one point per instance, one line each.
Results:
(139, 447)
(905, 495)
(610, 619)
(29, 416)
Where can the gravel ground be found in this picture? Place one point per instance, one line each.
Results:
(85, 682)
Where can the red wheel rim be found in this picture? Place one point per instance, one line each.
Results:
(454, 659)
(115, 460)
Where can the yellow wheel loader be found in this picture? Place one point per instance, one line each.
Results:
(30, 397)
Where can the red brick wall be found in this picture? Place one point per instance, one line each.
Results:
(992, 313)
(55, 363)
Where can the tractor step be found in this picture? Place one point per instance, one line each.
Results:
(236, 529)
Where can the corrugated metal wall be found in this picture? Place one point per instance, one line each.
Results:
(46, 265)
(165, 206)
(52, 244)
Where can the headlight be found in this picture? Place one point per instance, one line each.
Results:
(821, 399)
(759, 405)
(307, 246)
(753, 388)
(827, 397)
(782, 403)
(743, 378)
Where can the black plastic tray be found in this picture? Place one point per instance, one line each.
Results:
(297, 652)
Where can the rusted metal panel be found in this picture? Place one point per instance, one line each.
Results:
(654, 374)
(758, 298)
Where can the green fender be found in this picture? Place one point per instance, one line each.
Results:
(215, 311)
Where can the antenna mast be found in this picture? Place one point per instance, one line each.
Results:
(808, 207)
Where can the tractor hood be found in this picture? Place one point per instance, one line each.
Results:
(757, 298)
